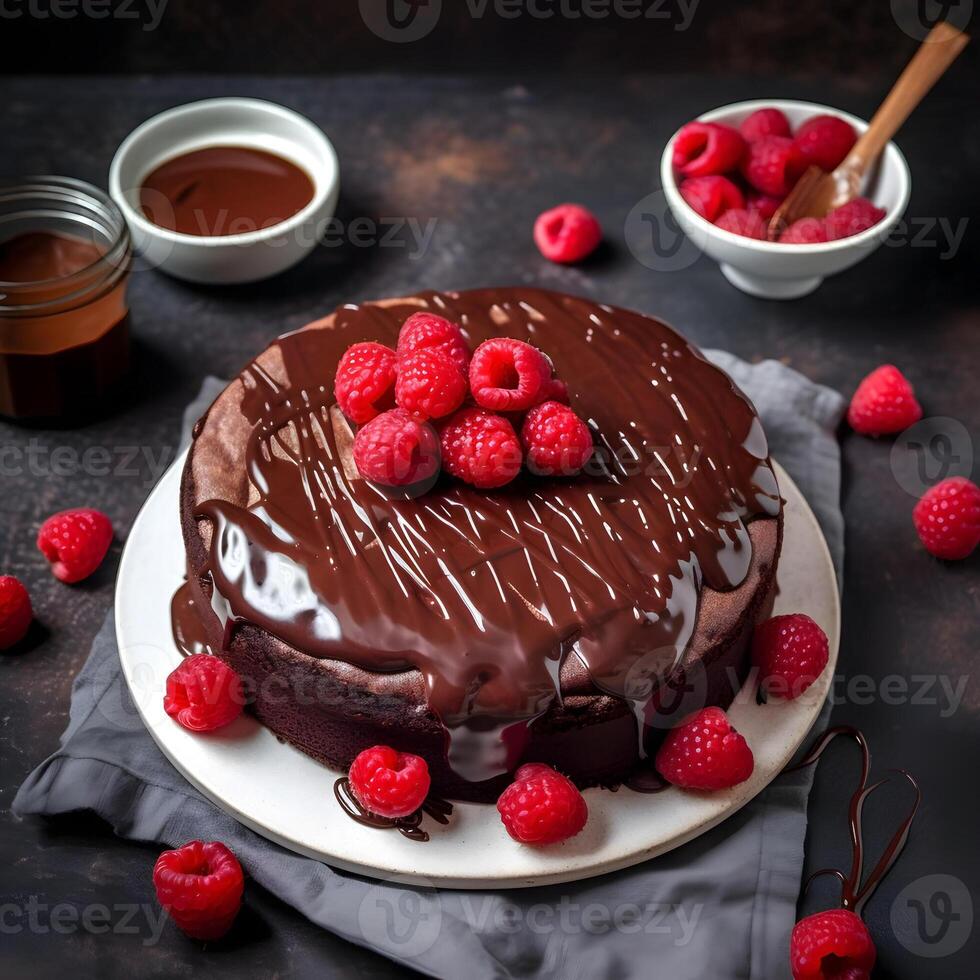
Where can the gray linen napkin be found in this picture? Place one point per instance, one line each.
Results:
(722, 906)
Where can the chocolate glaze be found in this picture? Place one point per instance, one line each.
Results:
(486, 593)
(439, 810)
(854, 894)
(189, 632)
(224, 190)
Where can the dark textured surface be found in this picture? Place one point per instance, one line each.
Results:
(482, 157)
(590, 37)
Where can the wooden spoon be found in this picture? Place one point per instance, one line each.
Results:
(817, 192)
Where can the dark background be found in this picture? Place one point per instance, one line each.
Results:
(850, 40)
(482, 124)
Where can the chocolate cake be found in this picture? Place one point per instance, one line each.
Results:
(566, 620)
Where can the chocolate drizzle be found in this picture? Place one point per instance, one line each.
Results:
(438, 810)
(854, 894)
(490, 594)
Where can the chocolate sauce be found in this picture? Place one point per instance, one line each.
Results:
(190, 634)
(37, 256)
(64, 326)
(439, 810)
(854, 894)
(645, 779)
(224, 190)
(486, 593)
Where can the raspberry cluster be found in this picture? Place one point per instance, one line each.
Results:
(737, 178)
(431, 405)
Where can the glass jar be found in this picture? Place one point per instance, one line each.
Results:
(65, 258)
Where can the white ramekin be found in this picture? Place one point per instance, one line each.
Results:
(229, 122)
(775, 271)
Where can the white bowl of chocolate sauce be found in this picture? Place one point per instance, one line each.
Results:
(225, 190)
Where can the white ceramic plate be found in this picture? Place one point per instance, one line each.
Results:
(288, 797)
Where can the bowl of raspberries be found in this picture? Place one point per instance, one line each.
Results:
(725, 174)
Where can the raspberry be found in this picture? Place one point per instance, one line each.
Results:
(883, 403)
(711, 196)
(741, 222)
(15, 611)
(396, 450)
(365, 379)
(832, 945)
(389, 783)
(541, 806)
(851, 218)
(429, 384)
(765, 122)
(947, 518)
(790, 652)
(567, 233)
(200, 885)
(557, 442)
(481, 448)
(507, 375)
(764, 205)
(702, 149)
(203, 693)
(75, 542)
(705, 752)
(427, 330)
(773, 165)
(553, 391)
(824, 141)
(806, 231)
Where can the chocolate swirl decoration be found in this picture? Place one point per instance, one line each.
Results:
(438, 809)
(486, 593)
(854, 893)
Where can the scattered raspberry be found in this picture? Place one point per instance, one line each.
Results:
(365, 381)
(427, 330)
(773, 165)
(711, 196)
(805, 231)
(15, 611)
(203, 693)
(851, 218)
(396, 450)
(200, 885)
(742, 222)
(75, 542)
(557, 442)
(389, 783)
(832, 945)
(824, 141)
(705, 752)
(567, 233)
(507, 375)
(765, 122)
(883, 403)
(430, 384)
(481, 448)
(947, 518)
(702, 149)
(764, 205)
(541, 806)
(790, 653)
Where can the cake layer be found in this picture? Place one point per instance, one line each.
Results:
(548, 619)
